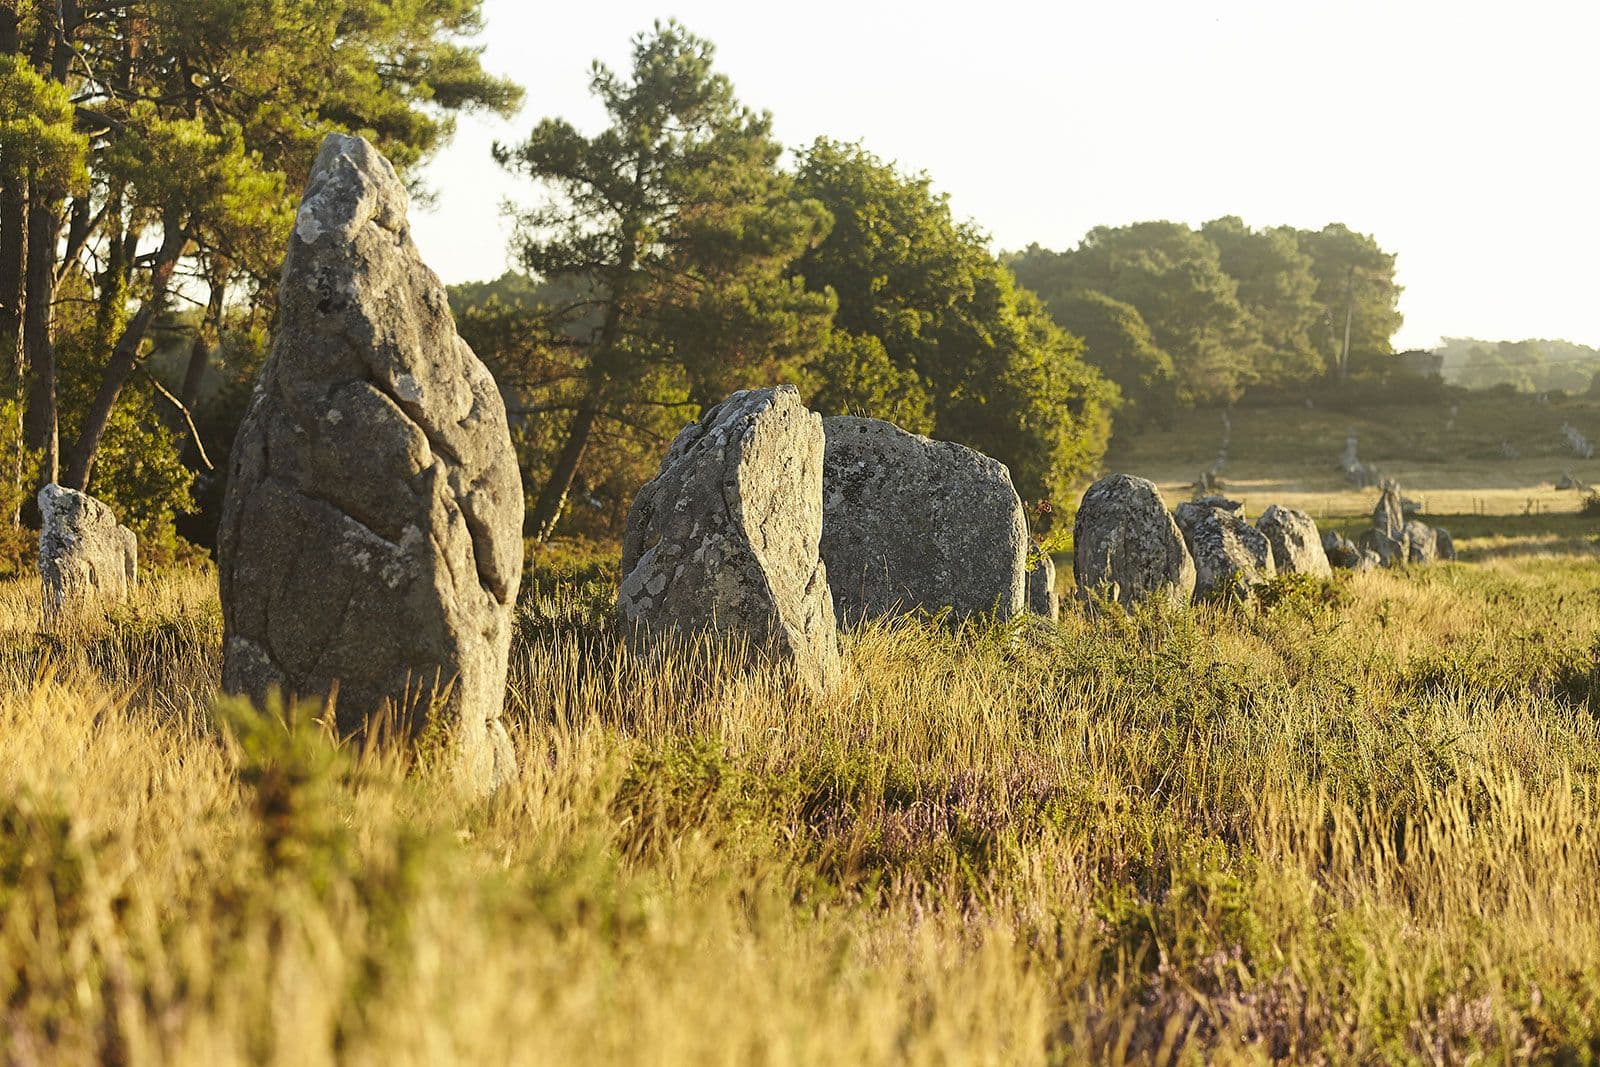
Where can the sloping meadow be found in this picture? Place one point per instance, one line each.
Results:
(1354, 820)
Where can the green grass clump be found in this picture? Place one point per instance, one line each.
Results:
(1347, 820)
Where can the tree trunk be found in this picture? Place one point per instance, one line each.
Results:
(553, 498)
(200, 353)
(40, 425)
(124, 358)
(13, 264)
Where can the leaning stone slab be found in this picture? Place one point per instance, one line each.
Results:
(910, 524)
(1126, 546)
(725, 539)
(1296, 546)
(1231, 557)
(85, 556)
(1042, 599)
(371, 538)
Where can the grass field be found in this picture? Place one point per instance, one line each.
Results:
(1359, 820)
(1447, 455)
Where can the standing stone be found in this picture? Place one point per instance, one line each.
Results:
(1389, 516)
(1341, 552)
(910, 524)
(1422, 542)
(85, 556)
(1231, 557)
(1042, 599)
(371, 538)
(1296, 547)
(1390, 551)
(1126, 546)
(725, 539)
(1444, 543)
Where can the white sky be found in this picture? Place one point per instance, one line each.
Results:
(1461, 133)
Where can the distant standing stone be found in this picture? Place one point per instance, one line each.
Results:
(1444, 543)
(1231, 557)
(1042, 599)
(1126, 546)
(1340, 550)
(1296, 547)
(725, 539)
(371, 536)
(911, 524)
(85, 556)
(1422, 542)
(1389, 516)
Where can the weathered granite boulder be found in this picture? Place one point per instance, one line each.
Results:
(1042, 599)
(1367, 560)
(1444, 543)
(726, 537)
(85, 556)
(371, 538)
(1296, 548)
(910, 524)
(1126, 546)
(1231, 557)
(1340, 550)
(1422, 542)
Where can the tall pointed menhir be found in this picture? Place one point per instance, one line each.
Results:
(371, 537)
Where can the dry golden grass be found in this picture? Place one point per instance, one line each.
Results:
(1360, 821)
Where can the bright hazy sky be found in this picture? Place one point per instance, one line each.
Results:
(1463, 134)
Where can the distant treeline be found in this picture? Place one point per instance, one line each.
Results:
(1178, 316)
(1534, 366)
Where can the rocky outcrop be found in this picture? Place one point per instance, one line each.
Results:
(85, 556)
(910, 524)
(1126, 546)
(1042, 599)
(725, 539)
(1296, 546)
(371, 539)
(1231, 557)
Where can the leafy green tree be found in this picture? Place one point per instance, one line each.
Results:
(1355, 281)
(673, 227)
(1277, 289)
(1118, 342)
(932, 333)
(1174, 277)
(199, 120)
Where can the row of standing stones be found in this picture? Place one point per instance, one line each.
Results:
(370, 550)
(1129, 548)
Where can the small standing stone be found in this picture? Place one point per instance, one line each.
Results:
(85, 556)
(911, 524)
(725, 539)
(1231, 557)
(1296, 548)
(1042, 599)
(1422, 542)
(1127, 547)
